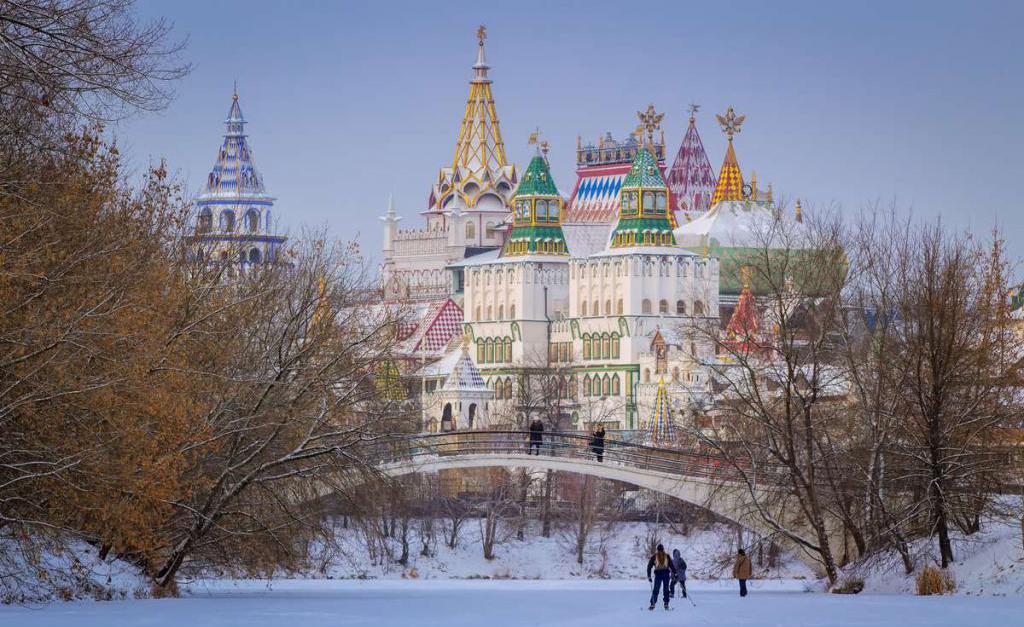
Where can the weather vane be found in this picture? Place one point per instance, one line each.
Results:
(730, 122)
(481, 34)
(650, 120)
(534, 136)
(544, 148)
(694, 108)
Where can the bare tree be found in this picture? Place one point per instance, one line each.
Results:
(63, 62)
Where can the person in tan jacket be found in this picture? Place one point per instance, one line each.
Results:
(742, 570)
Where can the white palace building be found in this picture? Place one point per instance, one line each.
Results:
(602, 294)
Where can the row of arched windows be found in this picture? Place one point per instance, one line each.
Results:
(494, 350)
(489, 232)
(598, 385)
(490, 312)
(601, 345)
(502, 387)
(227, 220)
(663, 307)
(596, 308)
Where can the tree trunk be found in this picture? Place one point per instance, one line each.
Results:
(546, 507)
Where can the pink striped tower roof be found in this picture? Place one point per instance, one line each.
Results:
(691, 179)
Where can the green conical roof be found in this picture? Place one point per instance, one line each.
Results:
(644, 172)
(537, 180)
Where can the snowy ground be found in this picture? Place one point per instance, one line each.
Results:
(322, 603)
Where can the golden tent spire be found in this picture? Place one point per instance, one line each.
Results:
(480, 147)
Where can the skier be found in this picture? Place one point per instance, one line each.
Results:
(679, 577)
(663, 568)
(536, 436)
(742, 571)
(597, 443)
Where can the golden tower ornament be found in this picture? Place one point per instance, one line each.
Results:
(650, 120)
(481, 34)
(730, 122)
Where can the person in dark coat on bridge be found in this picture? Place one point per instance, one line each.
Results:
(663, 569)
(680, 575)
(597, 443)
(536, 436)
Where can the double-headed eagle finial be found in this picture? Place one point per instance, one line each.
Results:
(650, 120)
(730, 122)
(481, 34)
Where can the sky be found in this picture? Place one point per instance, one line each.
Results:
(847, 103)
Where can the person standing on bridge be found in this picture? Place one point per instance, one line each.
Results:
(597, 443)
(536, 436)
(742, 570)
(663, 569)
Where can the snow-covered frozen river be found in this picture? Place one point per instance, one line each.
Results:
(304, 603)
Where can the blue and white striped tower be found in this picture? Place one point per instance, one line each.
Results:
(234, 222)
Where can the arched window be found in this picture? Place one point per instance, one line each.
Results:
(675, 374)
(606, 350)
(227, 220)
(616, 389)
(512, 311)
(477, 316)
(586, 385)
(681, 307)
(252, 220)
(490, 313)
(447, 419)
(606, 386)
(508, 388)
(615, 345)
(472, 414)
(647, 375)
(470, 230)
(608, 307)
(490, 231)
(508, 349)
(663, 306)
(205, 220)
(618, 307)
(596, 309)
(255, 256)
(489, 356)
(583, 308)
(586, 347)
(645, 307)
(698, 308)
(501, 311)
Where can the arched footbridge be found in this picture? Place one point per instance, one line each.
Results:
(703, 479)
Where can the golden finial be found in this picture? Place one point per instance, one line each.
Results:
(579, 143)
(730, 122)
(481, 34)
(705, 249)
(234, 91)
(649, 121)
(799, 211)
(753, 186)
(534, 137)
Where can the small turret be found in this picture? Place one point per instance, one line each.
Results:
(537, 212)
(390, 221)
(730, 178)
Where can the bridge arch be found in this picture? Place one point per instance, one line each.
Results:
(644, 467)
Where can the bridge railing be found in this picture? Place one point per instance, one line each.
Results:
(569, 445)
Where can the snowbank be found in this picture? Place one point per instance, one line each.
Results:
(709, 554)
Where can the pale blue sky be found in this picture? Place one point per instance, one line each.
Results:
(846, 102)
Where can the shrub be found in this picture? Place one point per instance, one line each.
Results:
(932, 580)
(849, 585)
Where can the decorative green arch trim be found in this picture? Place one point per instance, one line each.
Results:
(623, 326)
(574, 329)
(467, 329)
(517, 333)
